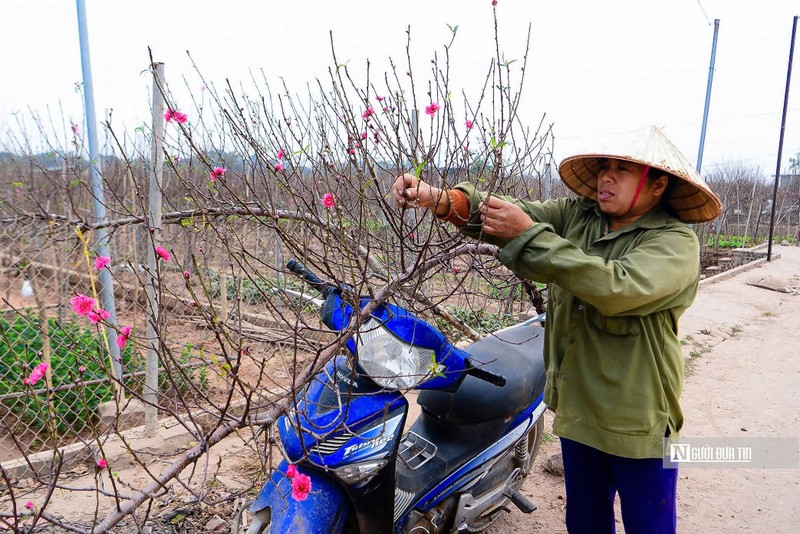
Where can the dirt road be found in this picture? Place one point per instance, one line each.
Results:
(743, 380)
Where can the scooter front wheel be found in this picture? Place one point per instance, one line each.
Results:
(258, 527)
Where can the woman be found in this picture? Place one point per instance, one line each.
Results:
(622, 266)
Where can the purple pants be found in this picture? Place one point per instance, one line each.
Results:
(593, 478)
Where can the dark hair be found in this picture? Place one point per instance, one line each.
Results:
(654, 174)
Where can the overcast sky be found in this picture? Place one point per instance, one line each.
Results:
(595, 67)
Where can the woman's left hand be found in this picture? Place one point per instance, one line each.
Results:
(503, 219)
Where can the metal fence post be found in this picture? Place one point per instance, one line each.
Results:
(106, 282)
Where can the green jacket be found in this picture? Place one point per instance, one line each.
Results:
(614, 362)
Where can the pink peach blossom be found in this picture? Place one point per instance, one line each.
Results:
(162, 253)
(36, 374)
(369, 112)
(291, 471)
(81, 304)
(102, 463)
(280, 153)
(432, 109)
(93, 317)
(328, 200)
(217, 172)
(122, 338)
(101, 262)
(301, 487)
(470, 125)
(278, 167)
(177, 116)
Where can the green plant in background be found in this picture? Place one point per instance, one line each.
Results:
(479, 320)
(730, 241)
(180, 381)
(203, 378)
(77, 354)
(506, 291)
(251, 291)
(185, 377)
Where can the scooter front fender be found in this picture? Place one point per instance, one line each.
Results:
(323, 512)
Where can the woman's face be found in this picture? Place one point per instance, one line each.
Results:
(617, 182)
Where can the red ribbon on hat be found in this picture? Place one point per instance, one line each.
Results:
(639, 187)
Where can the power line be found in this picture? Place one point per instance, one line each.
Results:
(679, 125)
(704, 12)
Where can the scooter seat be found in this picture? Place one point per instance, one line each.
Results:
(516, 354)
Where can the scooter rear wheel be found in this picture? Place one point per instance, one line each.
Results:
(534, 441)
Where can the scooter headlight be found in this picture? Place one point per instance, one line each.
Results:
(361, 472)
(391, 362)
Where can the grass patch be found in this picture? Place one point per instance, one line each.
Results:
(696, 350)
(77, 355)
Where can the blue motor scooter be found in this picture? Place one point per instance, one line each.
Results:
(457, 467)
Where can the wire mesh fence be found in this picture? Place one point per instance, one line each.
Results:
(55, 372)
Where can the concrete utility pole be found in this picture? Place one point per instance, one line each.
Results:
(150, 393)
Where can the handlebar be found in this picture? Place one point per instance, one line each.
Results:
(325, 288)
(312, 279)
(487, 376)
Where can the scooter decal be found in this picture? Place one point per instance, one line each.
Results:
(386, 433)
(459, 477)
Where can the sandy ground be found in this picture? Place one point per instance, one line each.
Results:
(743, 381)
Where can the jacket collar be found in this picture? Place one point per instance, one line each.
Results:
(653, 219)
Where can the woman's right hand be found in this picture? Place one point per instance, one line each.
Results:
(410, 192)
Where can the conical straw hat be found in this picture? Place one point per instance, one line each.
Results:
(692, 199)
